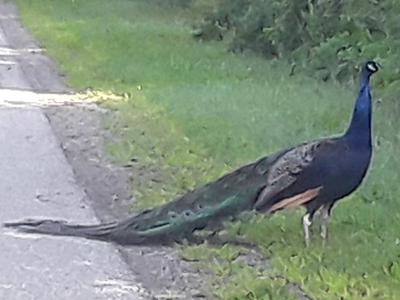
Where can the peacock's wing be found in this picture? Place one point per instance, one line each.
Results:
(288, 169)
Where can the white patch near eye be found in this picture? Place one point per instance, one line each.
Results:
(371, 67)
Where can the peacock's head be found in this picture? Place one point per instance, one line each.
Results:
(371, 67)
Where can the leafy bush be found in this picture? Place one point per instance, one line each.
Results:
(328, 38)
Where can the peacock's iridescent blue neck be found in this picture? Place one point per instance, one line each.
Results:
(359, 132)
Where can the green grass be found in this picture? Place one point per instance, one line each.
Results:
(196, 111)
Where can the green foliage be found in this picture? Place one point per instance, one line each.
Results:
(327, 38)
(195, 112)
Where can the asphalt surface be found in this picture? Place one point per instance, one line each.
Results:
(37, 181)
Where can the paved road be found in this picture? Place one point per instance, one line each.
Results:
(36, 180)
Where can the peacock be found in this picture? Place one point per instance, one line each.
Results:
(314, 175)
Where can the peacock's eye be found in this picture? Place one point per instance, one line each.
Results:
(371, 67)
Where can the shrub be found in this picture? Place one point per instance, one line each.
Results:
(328, 38)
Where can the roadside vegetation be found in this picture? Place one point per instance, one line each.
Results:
(193, 111)
(325, 39)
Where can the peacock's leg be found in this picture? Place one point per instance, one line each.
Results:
(307, 222)
(325, 217)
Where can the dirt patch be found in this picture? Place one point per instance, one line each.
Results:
(82, 136)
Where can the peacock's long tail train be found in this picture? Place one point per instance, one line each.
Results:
(205, 207)
(162, 225)
(118, 232)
